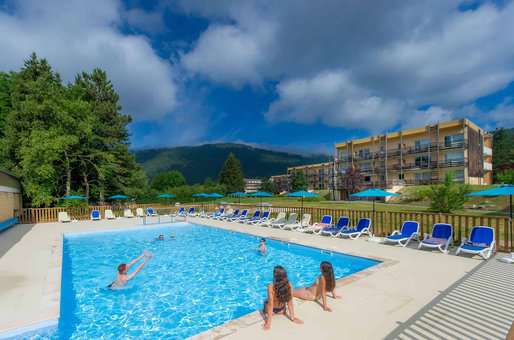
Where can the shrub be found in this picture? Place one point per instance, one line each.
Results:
(447, 197)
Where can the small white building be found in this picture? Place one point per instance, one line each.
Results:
(252, 185)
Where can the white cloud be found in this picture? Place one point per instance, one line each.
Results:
(77, 36)
(432, 115)
(229, 54)
(332, 98)
(400, 55)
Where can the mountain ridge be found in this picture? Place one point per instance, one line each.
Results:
(200, 162)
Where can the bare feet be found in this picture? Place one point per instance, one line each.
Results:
(298, 321)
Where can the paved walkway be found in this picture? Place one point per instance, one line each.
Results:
(478, 306)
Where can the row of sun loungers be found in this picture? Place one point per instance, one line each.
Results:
(95, 215)
(480, 242)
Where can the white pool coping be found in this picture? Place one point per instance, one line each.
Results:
(373, 303)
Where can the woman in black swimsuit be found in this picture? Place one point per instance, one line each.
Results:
(280, 298)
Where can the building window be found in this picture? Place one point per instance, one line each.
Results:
(422, 161)
(454, 157)
(454, 140)
(367, 178)
(401, 176)
(364, 153)
(421, 144)
(423, 177)
(458, 176)
(366, 166)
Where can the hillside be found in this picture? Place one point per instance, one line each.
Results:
(200, 162)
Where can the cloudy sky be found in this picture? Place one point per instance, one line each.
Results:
(298, 75)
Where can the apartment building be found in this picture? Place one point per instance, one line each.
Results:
(282, 183)
(252, 185)
(319, 176)
(420, 155)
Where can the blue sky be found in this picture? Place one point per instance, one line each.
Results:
(290, 75)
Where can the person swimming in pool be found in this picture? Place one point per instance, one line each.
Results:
(160, 238)
(122, 277)
(262, 246)
(280, 298)
(324, 284)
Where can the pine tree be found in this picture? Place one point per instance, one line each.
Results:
(298, 181)
(231, 175)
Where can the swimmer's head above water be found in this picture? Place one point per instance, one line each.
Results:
(122, 268)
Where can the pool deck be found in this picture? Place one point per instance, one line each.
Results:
(374, 303)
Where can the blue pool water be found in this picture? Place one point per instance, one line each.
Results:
(202, 279)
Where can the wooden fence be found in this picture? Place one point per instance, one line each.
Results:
(383, 222)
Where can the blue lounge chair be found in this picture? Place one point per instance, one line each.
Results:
(255, 217)
(181, 212)
(409, 231)
(235, 213)
(95, 215)
(342, 224)
(150, 212)
(241, 216)
(191, 212)
(264, 217)
(362, 227)
(218, 214)
(441, 237)
(481, 242)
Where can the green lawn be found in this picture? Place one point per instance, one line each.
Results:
(408, 201)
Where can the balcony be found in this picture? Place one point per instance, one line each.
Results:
(453, 145)
(488, 166)
(488, 151)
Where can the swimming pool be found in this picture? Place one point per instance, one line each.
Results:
(199, 280)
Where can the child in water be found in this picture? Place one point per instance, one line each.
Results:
(262, 246)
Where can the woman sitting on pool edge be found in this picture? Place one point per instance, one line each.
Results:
(122, 277)
(325, 283)
(280, 298)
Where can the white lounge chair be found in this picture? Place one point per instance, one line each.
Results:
(362, 227)
(63, 217)
(481, 242)
(304, 223)
(326, 222)
(109, 214)
(140, 212)
(291, 219)
(441, 237)
(280, 218)
(409, 231)
(128, 213)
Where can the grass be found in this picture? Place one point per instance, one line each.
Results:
(409, 201)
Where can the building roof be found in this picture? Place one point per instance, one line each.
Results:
(10, 174)
(307, 166)
(414, 131)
